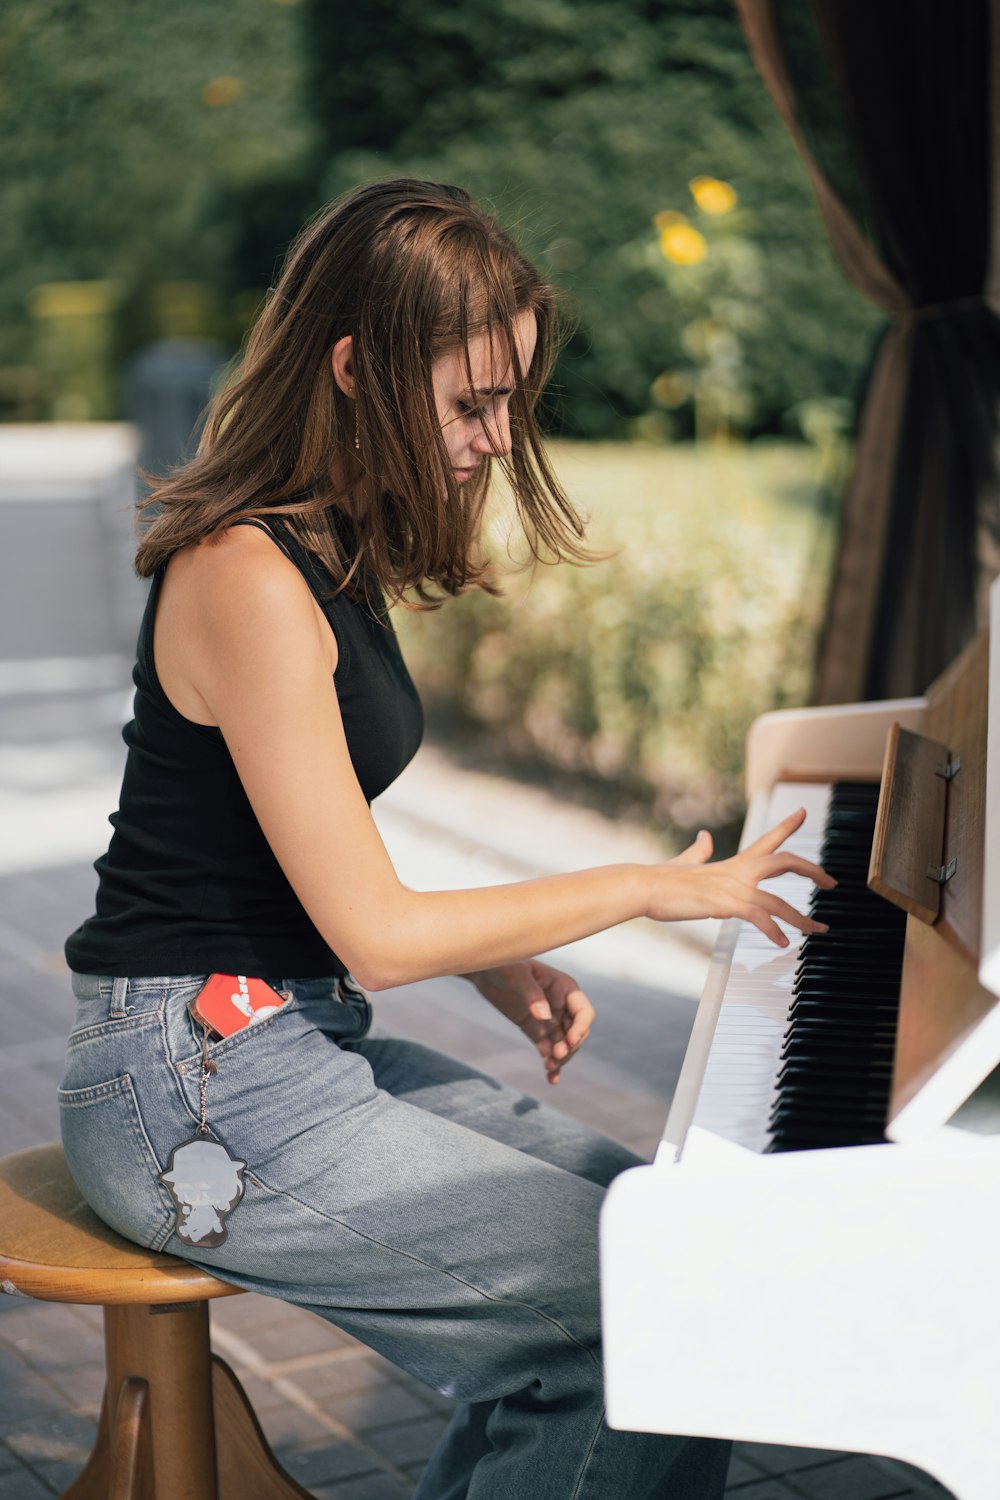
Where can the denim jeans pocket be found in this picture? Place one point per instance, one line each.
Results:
(112, 1161)
(90, 1039)
(186, 1041)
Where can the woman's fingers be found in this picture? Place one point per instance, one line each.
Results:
(794, 864)
(581, 1014)
(769, 841)
(698, 853)
(577, 1017)
(783, 861)
(778, 908)
(575, 1040)
(759, 917)
(765, 910)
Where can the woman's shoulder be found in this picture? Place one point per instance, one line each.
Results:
(242, 558)
(240, 579)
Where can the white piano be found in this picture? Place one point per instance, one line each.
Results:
(813, 1257)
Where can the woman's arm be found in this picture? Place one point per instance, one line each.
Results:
(257, 655)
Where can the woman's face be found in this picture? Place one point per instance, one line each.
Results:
(474, 415)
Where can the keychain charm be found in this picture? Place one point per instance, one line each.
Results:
(205, 1182)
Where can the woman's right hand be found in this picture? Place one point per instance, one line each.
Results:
(688, 887)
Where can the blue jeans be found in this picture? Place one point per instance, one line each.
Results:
(445, 1220)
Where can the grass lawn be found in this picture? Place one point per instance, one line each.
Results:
(753, 486)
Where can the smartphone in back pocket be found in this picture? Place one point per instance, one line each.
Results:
(227, 1003)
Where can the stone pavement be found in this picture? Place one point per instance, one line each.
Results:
(344, 1422)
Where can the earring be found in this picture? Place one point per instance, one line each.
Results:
(357, 430)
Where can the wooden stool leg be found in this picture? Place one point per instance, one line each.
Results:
(248, 1470)
(131, 1477)
(168, 1348)
(175, 1407)
(119, 1468)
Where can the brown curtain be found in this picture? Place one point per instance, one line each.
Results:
(895, 108)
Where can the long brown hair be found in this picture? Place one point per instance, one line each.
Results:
(410, 269)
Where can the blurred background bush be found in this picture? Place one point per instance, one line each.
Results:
(158, 159)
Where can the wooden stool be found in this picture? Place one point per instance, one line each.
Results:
(175, 1422)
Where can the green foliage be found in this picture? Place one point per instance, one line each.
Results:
(579, 122)
(640, 675)
(116, 166)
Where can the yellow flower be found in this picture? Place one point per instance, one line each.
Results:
(222, 90)
(670, 389)
(666, 217)
(683, 244)
(712, 195)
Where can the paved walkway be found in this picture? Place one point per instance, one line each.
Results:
(345, 1423)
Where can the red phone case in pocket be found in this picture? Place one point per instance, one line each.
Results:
(227, 1003)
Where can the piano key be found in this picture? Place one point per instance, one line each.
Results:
(838, 1048)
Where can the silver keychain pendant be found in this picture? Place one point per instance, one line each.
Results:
(205, 1182)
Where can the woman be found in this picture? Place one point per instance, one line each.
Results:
(439, 1217)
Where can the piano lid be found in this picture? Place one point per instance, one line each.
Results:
(949, 1022)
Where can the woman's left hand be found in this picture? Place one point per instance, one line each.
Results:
(549, 1006)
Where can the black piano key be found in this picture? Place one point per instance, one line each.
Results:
(834, 1026)
(826, 1056)
(801, 1101)
(814, 1001)
(828, 1049)
(803, 1066)
(822, 999)
(819, 1002)
(826, 991)
(805, 1084)
(835, 1074)
(865, 1112)
(830, 1045)
(854, 1114)
(844, 977)
(834, 1010)
(820, 1058)
(803, 1096)
(847, 1126)
(824, 1140)
(866, 1108)
(876, 935)
(820, 1033)
(860, 1104)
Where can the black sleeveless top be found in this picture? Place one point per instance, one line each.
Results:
(189, 884)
